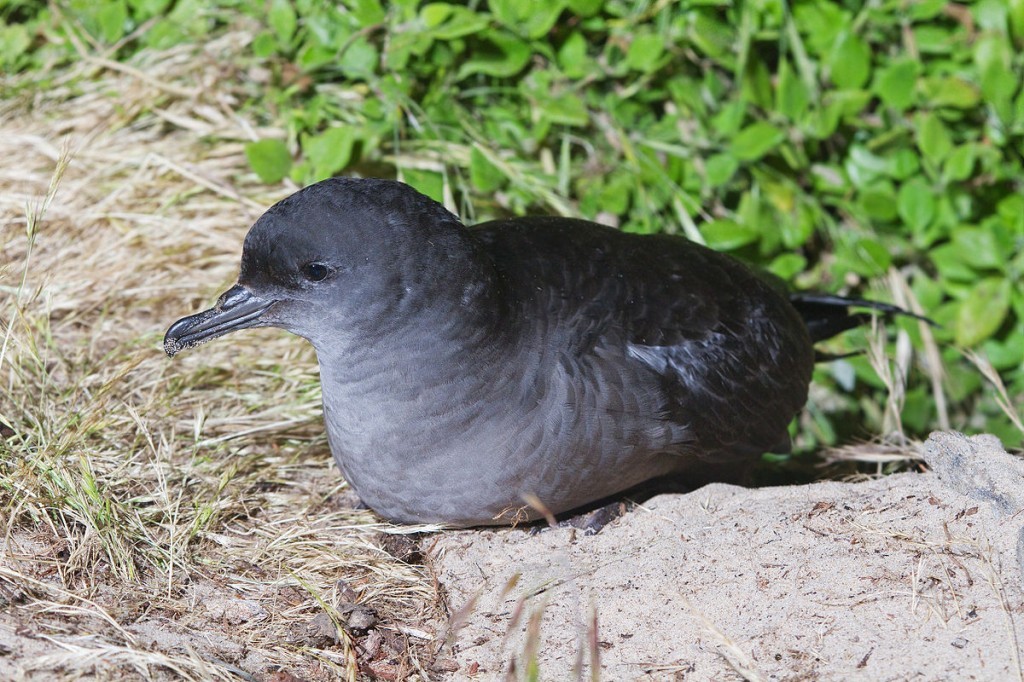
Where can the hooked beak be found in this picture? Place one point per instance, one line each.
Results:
(237, 308)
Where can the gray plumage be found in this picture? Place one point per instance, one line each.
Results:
(465, 370)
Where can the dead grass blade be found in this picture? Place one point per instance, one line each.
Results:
(1002, 397)
(728, 649)
(163, 515)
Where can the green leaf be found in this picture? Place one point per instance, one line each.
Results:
(1015, 10)
(613, 194)
(865, 167)
(829, 179)
(788, 265)
(874, 259)
(993, 56)
(714, 38)
(928, 290)
(433, 14)
(756, 140)
(904, 163)
(585, 8)
(312, 55)
(990, 15)
(949, 261)
(726, 235)
(918, 406)
(269, 159)
(141, 10)
(644, 52)
(448, 22)
(729, 118)
(426, 182)
(796, 229)
(916, 203)
(264, 45)
(14, 41)
(484, 175)
(926, 9)
(572, 56)
(529, 19)
(720, 168)
(933, 39)
(862, 255)
(111, 17)
(503, 56)
(756, 84)
(825, 120)
(1008, 355)
(282, 20)
(791, 97)
(367, 12)
(932, 137)
(360, 60)
(983, 310)
(960, 164)
(330, 151)
(567, 109)
(781, 195)
(1011, 212)
(950, 92)
(839, 104)
(187, 21)
(894, 84)
(820, 23)
(850, 61)
(980, 247)
(878, 201)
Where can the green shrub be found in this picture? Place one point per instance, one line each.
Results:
(829, 142)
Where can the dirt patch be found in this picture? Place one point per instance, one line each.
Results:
(913, 575)
(228, 625)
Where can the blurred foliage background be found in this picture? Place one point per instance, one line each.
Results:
(844, 146)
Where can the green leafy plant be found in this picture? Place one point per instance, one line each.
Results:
(832, 143)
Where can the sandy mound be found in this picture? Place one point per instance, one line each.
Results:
(913, 575)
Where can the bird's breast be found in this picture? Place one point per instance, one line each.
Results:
(478, 443)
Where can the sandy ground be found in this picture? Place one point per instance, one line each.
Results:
(913, 576)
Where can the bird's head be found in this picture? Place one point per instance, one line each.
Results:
(341, 257)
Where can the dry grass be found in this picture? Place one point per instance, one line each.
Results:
(738, 660)
(892, 449)
(1002, 396)
(142, 538)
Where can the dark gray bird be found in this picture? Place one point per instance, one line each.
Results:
(476, 376)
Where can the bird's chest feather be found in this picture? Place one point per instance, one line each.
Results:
(483, 438)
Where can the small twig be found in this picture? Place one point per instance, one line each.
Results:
(737, 659)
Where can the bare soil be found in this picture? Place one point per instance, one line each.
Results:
(911, 576)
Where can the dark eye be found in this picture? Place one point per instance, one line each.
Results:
(315, 272)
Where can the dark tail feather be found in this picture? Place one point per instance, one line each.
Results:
(827, 315)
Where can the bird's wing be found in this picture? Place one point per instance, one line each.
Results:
(732, 357)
